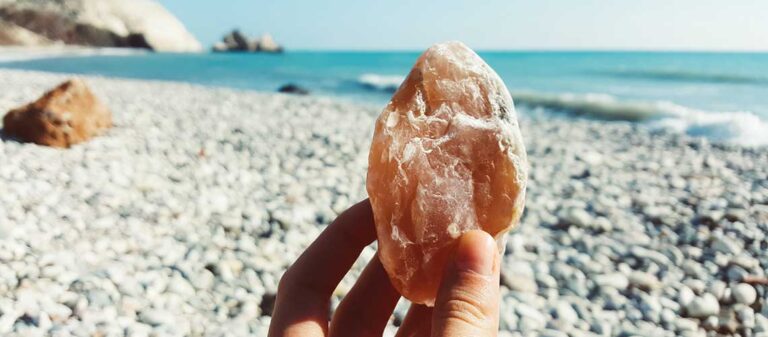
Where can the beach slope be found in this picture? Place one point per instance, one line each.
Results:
(182, 218)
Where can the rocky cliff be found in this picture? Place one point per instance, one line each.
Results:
(98, 23)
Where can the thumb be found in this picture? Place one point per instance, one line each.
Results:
(468, 300)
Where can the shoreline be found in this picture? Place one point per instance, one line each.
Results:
(21, 53)
(746, 126)
(181, 219)
(62, 76)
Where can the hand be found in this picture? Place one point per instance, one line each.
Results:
(467, 303)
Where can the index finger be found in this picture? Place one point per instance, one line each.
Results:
(303, 297)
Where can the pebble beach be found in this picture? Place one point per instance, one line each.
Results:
(181, 219)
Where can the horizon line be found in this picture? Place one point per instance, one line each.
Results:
(558, 49)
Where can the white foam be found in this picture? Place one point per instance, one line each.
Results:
(737, 127)
(381, 82)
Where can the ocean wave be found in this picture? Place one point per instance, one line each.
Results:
(378, 82)
(690, 76)
(738, 127)
(592, 105)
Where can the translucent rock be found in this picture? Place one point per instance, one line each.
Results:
(447, 157)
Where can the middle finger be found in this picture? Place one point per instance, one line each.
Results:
(417, 322)
(365, 310)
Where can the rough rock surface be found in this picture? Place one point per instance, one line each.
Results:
(11, 34)
(447, 157)
(99, 23)
(67, 115)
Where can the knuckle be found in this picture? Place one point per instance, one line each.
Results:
(288, 283)
(293, 285)
(464, 307)
(284, 283)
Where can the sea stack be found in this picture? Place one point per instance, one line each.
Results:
(237, 41)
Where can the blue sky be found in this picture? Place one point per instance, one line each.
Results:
(486, 24)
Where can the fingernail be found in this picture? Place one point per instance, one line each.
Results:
(476, 252)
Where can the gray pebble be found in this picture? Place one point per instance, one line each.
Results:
(744, 293)
(703, 306)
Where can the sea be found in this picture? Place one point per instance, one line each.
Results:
(719, 96)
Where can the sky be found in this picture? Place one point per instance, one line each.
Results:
(485, 24)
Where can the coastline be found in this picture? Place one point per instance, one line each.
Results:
(181, 219)
(22, 53)
(723, 103)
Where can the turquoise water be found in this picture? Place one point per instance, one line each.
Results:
(722, 96)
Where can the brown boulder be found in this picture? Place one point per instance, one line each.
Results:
(67, 115)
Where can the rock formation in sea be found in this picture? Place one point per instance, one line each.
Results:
(98, 23)
(294, 89)
(67, 115)
(238, 42)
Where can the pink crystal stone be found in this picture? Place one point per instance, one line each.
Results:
(447, 157)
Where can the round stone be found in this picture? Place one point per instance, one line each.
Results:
(744, 293)
(704, 306)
